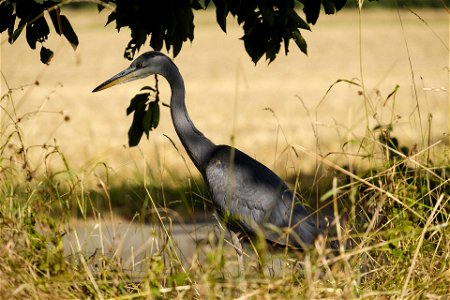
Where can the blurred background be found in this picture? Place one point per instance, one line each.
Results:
(259, 109)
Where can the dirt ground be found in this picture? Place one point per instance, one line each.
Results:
(227, 95)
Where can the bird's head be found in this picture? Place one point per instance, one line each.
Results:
(146, 64)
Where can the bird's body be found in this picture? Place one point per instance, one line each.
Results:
(256, 198)
(246, 193)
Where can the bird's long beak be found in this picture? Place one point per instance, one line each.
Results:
(126, 75)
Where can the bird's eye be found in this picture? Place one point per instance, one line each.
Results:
(138, 65)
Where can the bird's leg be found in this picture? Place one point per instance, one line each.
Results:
(239, 251)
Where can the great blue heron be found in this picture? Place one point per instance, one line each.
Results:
(248, 196)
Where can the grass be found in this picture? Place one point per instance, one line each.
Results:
(393, 201)
(395, 242)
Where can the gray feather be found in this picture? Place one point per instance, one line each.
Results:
(243, 190)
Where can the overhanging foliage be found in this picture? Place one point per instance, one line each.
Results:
(267, 24)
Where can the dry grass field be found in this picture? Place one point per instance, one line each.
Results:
(227, 95)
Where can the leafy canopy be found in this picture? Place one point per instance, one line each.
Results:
(267, 24)
(30, 15)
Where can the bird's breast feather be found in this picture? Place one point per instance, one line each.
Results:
(242, 185)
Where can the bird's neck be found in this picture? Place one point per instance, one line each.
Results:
(196, 144)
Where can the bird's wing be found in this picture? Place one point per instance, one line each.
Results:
(245, 188)
(290, 213)
(256, 197)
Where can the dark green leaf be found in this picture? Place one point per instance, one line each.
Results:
(300, 41)
(246, 12)
(273, 47)
(138, 103)
(31, 36)
(234, 6)
(157, 39)
(143, 119)
(286, 39)
(56, 20)
(135, 132)
(254, 42)
(68, 32)
(46, 55)
(172, 24)
(297, 20)
(37, 32)
(147, 122)
(7, 17)
(221, 13)
(267, 12)
(340, 4)
(151, 118)
(311, 9)
(28, 9)
(155, 114)
(130, 50)
(12, 38)
(42, 29)
(177, 44)
(101, 6)
(139, 37)
(195, 4)
(185, 20)
(11, 27)
(112, 17)
(255, 37)
(328, 6)
(148, 88)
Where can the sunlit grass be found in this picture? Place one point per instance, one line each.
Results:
(394, 238)
(71, 233)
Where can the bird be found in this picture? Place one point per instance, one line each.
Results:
(249, 197)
